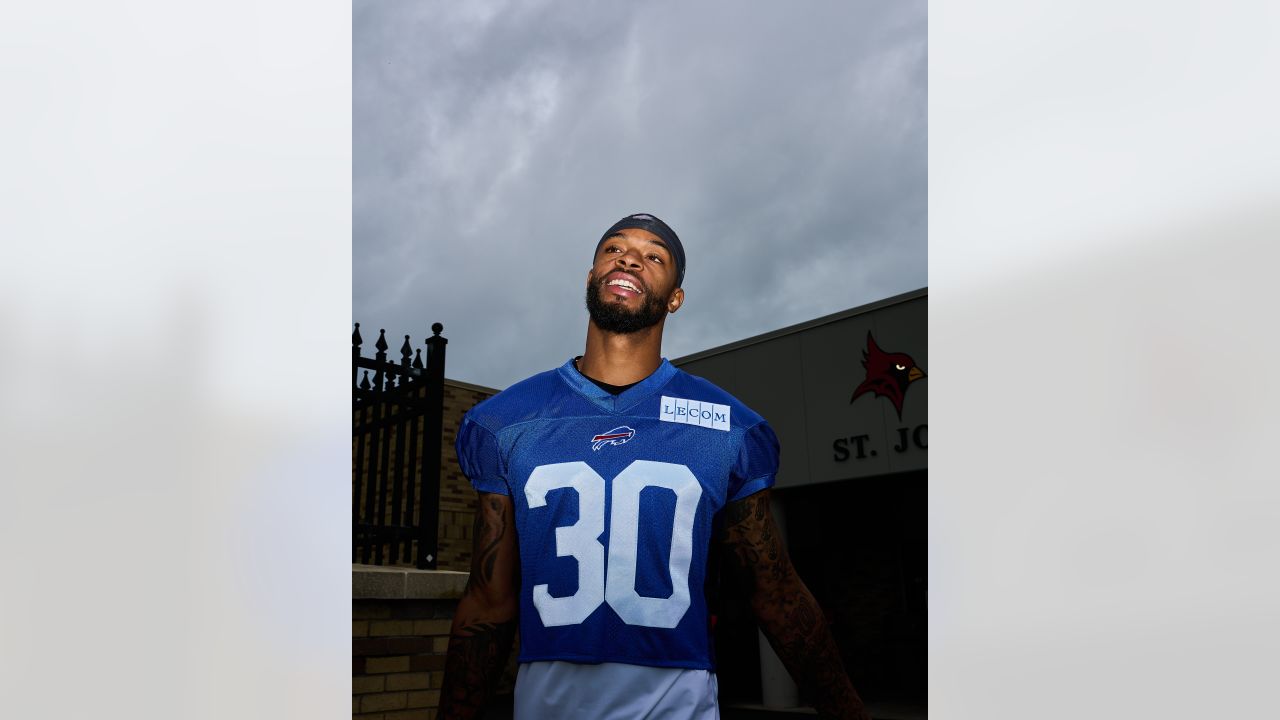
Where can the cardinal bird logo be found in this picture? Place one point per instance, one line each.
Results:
(888, 374)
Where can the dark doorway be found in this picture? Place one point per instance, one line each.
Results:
(862, 548)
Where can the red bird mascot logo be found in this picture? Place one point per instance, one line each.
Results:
(888, 374)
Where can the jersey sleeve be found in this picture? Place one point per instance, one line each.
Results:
(480, 458)
(757, 463)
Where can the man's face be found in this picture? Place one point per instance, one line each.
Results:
(631, 285)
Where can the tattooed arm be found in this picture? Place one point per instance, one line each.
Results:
(485, 622)
(787, 612)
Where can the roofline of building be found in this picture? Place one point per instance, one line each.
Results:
(471, 386)
(801, 327)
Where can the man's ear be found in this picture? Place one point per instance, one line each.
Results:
(676, 300)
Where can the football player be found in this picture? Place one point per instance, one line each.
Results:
(602, 485)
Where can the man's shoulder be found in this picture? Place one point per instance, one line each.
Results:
(687, 386)
(523, 401)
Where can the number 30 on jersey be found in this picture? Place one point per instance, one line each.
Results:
(581, 542)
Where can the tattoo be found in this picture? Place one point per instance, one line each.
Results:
(477, 654)
(490, 529)
(484, 624)
(788, 614)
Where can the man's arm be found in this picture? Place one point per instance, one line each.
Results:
(485, 622)
(787, 612)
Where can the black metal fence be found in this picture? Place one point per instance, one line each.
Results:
(397, 418)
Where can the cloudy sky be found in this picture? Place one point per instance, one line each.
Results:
(494, 142)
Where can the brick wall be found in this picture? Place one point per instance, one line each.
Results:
(400, 620)
(398, 649)
(457, 497)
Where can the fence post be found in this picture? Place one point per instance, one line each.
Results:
(429, 504)
(356, 341)
(402, 387)
(382, 443)
(357, 474)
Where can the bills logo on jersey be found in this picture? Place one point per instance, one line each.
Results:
(616, 436)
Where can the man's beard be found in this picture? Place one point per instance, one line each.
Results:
(616, 318)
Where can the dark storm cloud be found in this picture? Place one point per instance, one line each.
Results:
(494, 142)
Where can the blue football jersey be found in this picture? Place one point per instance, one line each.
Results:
(615, 497)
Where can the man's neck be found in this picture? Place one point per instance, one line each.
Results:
(620, 359)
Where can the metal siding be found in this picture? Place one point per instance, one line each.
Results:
(801, 382)
(766, 377)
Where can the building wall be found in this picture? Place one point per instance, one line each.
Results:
(802, 379)
(400, 620)
(457, 497)
(398, 649)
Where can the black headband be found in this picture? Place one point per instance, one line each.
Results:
(645, 221)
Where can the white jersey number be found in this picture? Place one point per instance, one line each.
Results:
(581, 541)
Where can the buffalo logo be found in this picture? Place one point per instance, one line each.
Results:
(888, 374)
(616, 436)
